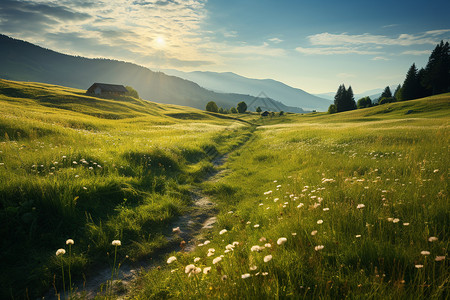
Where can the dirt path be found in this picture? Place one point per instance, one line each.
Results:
(199, 218)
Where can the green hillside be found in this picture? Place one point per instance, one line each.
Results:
(94, 170)
(360, 197)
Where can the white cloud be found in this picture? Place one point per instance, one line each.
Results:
(335, 50)
(416, 52)
(380, 58)
(329, 39)
(275, 40)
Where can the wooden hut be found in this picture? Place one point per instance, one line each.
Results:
(104, 89)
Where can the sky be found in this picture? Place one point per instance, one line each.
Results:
(311, 45)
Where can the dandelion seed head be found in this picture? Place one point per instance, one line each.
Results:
(267, 258)
(171, 259)
(116, 243)
(281, 240)
(60, 252)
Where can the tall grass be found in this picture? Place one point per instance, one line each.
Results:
(94, 170)
(362, 202)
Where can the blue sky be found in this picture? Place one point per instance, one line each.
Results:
(312, 45)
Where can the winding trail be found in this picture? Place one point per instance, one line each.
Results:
(200, 217)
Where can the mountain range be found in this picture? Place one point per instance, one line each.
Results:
(20, 60)
(231, 82)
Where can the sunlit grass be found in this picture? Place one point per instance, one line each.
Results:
(327, 207)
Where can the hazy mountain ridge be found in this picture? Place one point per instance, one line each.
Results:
(20, 60)
(231, 82)
(373, 94)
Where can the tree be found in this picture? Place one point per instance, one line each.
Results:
(242, 107)
(385, 100)
(364, 102)
(132, 92)
(233, 110)
(422, 89)
(332, 109)
(258, 109)
(212, 107)
(386, 93)
(281, 113)
(410, 85)
(437, 71)
(398, 93)
(344, 99)
(221, 110)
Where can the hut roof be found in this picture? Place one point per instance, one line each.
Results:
(114, 88)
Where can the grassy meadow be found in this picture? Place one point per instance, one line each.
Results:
(94, 170)
(318, 206)
(326, 207)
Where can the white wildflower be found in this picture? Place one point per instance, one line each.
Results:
(267, 258)
(171, 259)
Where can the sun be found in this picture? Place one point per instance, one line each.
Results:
(160, 41)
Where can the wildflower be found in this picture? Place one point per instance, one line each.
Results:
(268, 193)
(189, 268)
(358, 236)
(405, 224)
(116, 243)
(246, 275)
(224, 277)
(171, 259)
(418, 266)
(216, 260)
(276, 199)
(265, 273)
(281, 240)
(206, 270)
(425, 252)
(278, 186)
(222, 231)
(436, 170)
(326, 209)
(360, 206)
(294, 233)
(206, 242)
(255, 248)
(253, 268)
(197, 270)
(267, 245)
(314, 232)
(396, 220)
(319, 247)
(176, 230)
(197, 259)
(320, 222)
(69, 242)
(60, 252)
(229, 247)
(432, 239)
(300, 205)
(262, 239)
(235, 244)
(256, 225)
(267, 258)
(210, 254)
(390, 219)
(439, 258)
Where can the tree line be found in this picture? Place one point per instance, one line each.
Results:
(432, 80)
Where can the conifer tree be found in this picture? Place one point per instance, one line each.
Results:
(437, 71)
(398, 93)
(410, 85)
(386, 93)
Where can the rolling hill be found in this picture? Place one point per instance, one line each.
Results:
(20, 60)
(231, 82)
